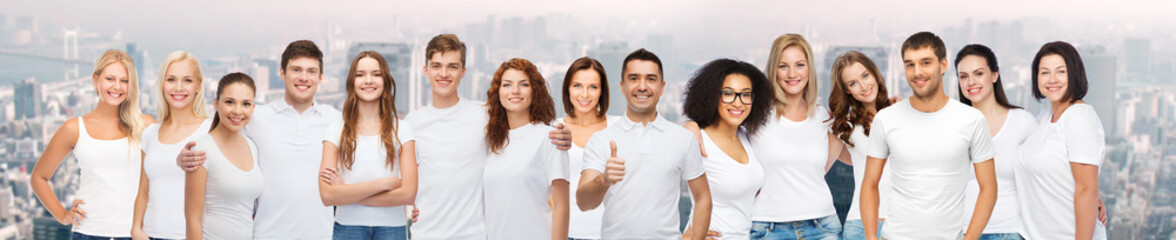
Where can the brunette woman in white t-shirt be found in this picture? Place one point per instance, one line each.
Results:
(106, 143)
(159, 207)
(585, 100)
(369, 168)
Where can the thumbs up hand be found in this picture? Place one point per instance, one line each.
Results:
(614, 170)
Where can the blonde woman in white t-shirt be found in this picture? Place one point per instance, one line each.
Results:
(106, 143)
(159, 207)
(362, 154)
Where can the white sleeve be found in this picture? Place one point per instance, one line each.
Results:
(1084, 138)
(148, 134)
(877, 146)
(982, 148)
(334, 131)
(557, 163)
(404, 132)
(692, 161)
(596, 152)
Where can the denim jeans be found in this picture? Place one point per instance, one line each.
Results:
(345, 232)
(80, 236)
(823, 228)
(855, 230)
(1001, 236)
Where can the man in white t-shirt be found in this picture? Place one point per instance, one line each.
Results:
(451, 150)
(636, 166)
(288, 134)
(929, 141)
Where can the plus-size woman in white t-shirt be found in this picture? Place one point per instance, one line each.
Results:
(106, 143)
(585, 100)
(159, 207)
(729, 99)
(525, 180)
(220, 196)
(857, 94)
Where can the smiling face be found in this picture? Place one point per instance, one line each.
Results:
(1053, 78)
(112, 84)
(369, 80)
(445, 71)
(302, 77)
(735, 99)
(180, 85)
(585, 92)
(642, 85)
(859, 83)
(924, 71)
(792, 72)
(234, 106)
(976, 78)
(515, 91)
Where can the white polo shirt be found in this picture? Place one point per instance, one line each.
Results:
(659, 156)
(291, 149)
(929, 156)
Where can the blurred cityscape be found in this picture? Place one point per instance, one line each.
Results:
(45, 68)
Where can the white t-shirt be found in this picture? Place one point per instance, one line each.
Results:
(794, 155)
(732, 186)
(857, 155)
(369, 163)
(1006, 216)
(291, 149)
(1045, 182)
(582, 224)
(164, 217)
(230, 192)
(658, 158)
(517, 182)
(451, 155)
(929, 157)
(109, 183)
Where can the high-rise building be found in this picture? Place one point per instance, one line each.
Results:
(1100, 74)
(399, 59)
(27, 98)
(47, 228)
(1137, 52)
(611, 55)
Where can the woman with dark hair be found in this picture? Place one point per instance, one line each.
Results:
(1057, 174)
(857, 95)
(1009, 125)
(369, 169)
(220, 196)
(585, 100)
(729, 99)
(524, 173)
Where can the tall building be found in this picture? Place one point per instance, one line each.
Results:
(399, 58)
(27, 100)
(1137, 52)
(47, 228)
(611, 55)
(1100, 74)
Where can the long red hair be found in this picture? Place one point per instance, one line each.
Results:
(542, 107)
(388, 120)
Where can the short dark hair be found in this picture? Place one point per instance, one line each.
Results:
(583, 64)
(703, 93)
(642, 54)
(990, 58)
(925, 39)
(1076, 71)
(302, 48)
(445, 43)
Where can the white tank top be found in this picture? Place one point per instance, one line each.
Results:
(109, 184)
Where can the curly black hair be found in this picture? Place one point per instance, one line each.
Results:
(703, 93)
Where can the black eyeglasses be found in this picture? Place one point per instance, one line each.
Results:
(730, 96)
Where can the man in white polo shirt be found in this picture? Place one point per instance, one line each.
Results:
(929, 141)
(636, 167)
(288, 133)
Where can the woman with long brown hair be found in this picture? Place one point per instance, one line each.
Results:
(369, 168)
(524, 171)
(858, 93)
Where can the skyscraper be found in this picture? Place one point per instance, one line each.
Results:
(1100, 75)
(1138, 55)
(27, 100)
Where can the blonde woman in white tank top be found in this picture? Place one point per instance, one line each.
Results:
(105, 143)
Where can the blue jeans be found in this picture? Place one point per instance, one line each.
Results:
(80, 236)
(824, 228)
(579, 239)
(1001, 236)
(855, 230)
(345, 232)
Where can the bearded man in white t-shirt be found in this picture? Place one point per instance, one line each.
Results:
(636, 166)
(929, 141)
